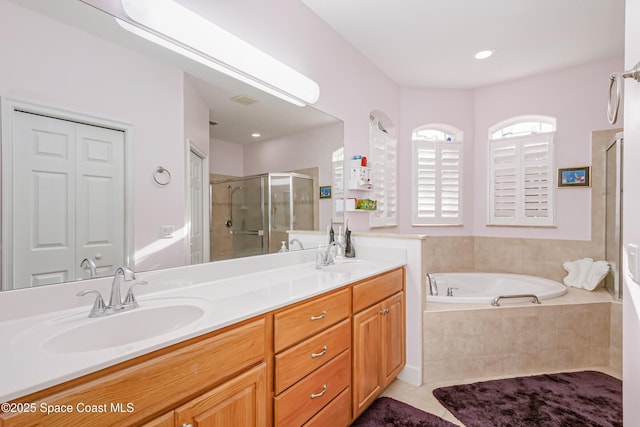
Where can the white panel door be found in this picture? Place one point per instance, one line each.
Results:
(196, 220)
(100, 199)
(68, 199)
(43, 200)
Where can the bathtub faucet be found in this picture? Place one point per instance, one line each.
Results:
(433, 287)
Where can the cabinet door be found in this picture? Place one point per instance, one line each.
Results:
(241, 401)
(393, 338)
(165, 420)
(366, 358)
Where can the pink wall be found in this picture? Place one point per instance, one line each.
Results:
(226, 158)
(196, 119)
(350, 86)
(577, 97)
(420, 107)
(80, 73)
(312, 148)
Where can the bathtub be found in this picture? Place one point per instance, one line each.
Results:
(484, 288)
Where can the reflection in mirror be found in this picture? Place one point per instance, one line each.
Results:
(164, 104)
(252, 215)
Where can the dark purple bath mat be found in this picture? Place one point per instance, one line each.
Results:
(572, 399)
(388, 412)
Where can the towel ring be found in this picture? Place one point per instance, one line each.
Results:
(615, 80)
(162, 176)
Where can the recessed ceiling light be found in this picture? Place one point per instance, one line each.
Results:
(484, 54)
(255, 135)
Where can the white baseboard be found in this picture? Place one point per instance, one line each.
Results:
(411, 375)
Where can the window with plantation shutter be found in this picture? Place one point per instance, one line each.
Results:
(521, 186)
(383, 165)
(437, 175)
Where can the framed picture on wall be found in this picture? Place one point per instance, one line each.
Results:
(574, 177)
(325, 192)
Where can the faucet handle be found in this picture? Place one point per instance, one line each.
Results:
(130, 299)
(127, 273)
(99, 306)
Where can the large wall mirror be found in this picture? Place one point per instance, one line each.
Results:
(160, 166)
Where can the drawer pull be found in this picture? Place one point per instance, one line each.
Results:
(384, 311)
(321, 316)
(322, 353)
(324, 390)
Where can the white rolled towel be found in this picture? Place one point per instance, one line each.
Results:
(585, 273)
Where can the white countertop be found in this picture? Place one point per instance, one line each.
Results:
(29, 366)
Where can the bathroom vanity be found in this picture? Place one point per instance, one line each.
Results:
(319, 359)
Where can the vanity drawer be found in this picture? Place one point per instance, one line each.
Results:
(300, 402)
(371, 291)
(335, 414)
(293, 325)
(298, 361)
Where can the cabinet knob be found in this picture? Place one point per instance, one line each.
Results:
(324, 390)
(384, 311)
(322, 353)
(187, 425)
(320, 316)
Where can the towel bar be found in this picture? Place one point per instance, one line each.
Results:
(534, 298)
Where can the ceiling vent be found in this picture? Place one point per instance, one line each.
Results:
(244, 99)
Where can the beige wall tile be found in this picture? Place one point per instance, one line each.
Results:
(513, 341)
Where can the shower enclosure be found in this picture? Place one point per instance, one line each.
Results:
(251, 215)
(613, 215)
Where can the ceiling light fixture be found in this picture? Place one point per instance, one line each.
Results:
(256, 135)
(183, 31)
(484, 54)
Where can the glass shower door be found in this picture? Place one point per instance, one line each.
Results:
(279, 210)
(237, 218)
(613, 217)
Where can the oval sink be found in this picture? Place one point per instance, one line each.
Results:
(124, 328)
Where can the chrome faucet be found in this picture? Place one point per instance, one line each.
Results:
(88, 263)
(116, 304)
(433, 286)
(115, 300)
(292, 241)
(328, 257)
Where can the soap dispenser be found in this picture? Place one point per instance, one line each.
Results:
(283, 247)
(349, 250)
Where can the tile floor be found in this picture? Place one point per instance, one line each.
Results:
(422, 397)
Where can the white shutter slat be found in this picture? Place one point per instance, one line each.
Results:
(521, 187)
(437, 182)
(383, 165)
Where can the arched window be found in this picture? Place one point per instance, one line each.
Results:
(521, 155)
(437, 175)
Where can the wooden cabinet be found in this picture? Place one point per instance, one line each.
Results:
(312, 341)
(241, 401)
(165, 420)
(146, 389)
(315, 363)
(378, 337)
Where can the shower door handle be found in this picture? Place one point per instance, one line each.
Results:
(248, 232)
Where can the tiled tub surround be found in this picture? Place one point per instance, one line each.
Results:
(464, 342)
